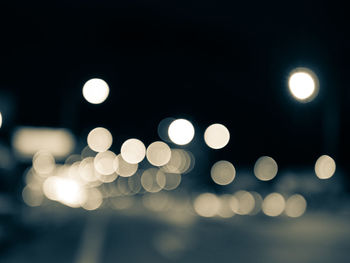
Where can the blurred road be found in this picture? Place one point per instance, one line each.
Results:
(72, 235)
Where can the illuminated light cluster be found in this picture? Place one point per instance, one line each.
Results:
(216, 136)
(65, 190)
(133, 151)
(124, 168)
(207, 205)
(265, 168)
(181, 131)
(303, 84)
(295, 206)
(95, 91)
(181, 162)
(325, 167)
(273, 205)
(223, 172)
(158, 153)
(100, 139)
(153, 180)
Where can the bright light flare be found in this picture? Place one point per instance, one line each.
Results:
(181, 131)
(216, 136)
(95, 91)
(223, 172)
(303, 84)
(133, 151)
(325, 167)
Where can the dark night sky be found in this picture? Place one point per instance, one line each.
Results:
(205, 61)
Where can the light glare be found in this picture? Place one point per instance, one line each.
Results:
(133, 151)
(216, 136)
(95, 91)
(303, 84)
(181, 131)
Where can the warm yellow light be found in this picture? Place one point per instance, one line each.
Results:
(216, 136)
(133, 151)
(265, 168)
(95, 91)
(123, 168)
(273, 204)
(295, 206)
(223, 172)
(206, 205)
(303, 84)
(99, 139)
(181, 131)
(325, 167)
(158, 153)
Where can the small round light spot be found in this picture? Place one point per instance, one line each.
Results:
(273, 204)
(303, 84)
(158, 153)
(99, 139)
(265, 168)
(181, 131)
(95, 91)
(295, 206)
(216, 136)
(133, 151)
(325, 167)
(223, 172)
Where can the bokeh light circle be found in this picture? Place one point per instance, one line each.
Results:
(181, 131)
(95, 91)
(325, 167)
(273, 204)
(295, 206)
(133, 151)
(99, 139)
(158, 153)
(303, 84)
(223, 172)
(216, 136)
(265, 168)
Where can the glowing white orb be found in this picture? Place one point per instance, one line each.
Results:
(133, 151)
(216, 136)
(303, 84)
(181, 131)
(99, 139)
(325, 167)
(95, 91)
